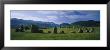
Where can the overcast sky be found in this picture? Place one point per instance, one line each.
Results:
(57, 16)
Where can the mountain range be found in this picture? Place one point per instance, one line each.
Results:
(89, 23)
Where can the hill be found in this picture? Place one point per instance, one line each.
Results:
(89, 23)
(15, 22)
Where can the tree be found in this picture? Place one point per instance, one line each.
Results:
(34, 28)
(55, 30)
(27, 28)
(21, 28)
(16, 30)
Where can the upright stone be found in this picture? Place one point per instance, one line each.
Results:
(55, 30)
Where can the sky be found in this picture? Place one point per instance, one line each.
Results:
(57, 16)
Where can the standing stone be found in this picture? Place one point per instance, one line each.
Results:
(55, 30)
(80, 31)
(91, 30)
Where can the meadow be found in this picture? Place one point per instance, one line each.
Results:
(49, 35)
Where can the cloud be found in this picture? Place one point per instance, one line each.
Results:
(57, 16)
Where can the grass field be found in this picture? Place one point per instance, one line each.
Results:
(52, 36)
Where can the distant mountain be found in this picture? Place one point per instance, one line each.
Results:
(15, 22)
(64, 24)
(89, 23)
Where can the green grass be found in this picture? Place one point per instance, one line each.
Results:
(40, 36)
(52, 36)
